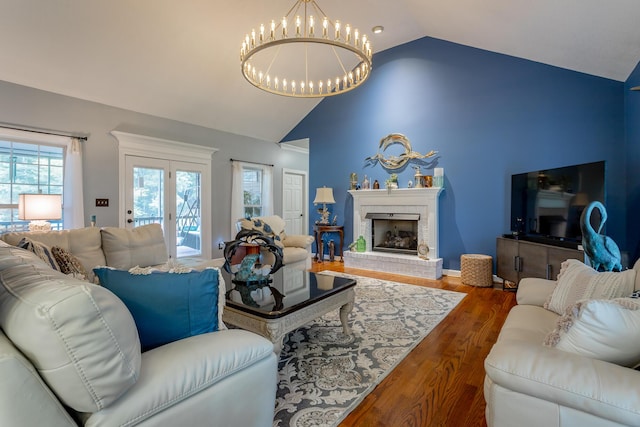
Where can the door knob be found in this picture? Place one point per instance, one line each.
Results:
(129, 220)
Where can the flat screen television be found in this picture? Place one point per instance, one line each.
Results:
(546, 205)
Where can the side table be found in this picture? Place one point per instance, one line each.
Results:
(319, 230)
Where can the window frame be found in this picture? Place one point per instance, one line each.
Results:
(36, 140)
(259, 171)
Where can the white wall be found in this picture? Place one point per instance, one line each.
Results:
(30, 108)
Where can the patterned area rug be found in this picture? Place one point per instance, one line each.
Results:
(324, 374)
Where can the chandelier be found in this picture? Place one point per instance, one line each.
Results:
(294, 56)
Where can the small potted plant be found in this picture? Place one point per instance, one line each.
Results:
(392, 181)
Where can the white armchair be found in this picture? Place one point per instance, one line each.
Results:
(296, 248)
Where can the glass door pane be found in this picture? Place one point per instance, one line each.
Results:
(188, 213)
(148, 196)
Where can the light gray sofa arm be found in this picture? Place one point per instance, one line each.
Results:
(534, 291)
(226, 378)
(589, 385)
(25, 398)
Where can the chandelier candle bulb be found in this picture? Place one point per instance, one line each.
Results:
(272, 34)
(337, 30)
(311, 22)
(298, 26)
(325, 27)
(348, 31)
(284, 27)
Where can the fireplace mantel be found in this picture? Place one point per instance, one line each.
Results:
(422, 201)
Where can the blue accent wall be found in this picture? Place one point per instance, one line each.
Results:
(488, 115)
(632, 128)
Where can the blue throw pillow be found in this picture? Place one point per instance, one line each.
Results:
(166, 306)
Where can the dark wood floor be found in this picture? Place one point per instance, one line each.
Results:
(440, 382)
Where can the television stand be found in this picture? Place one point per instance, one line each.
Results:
(520, 258)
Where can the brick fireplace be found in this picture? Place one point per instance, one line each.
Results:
(419, 205)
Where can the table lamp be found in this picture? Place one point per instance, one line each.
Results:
(324, 195)
(39, 208)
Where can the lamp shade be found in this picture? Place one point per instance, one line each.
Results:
(324, 195)
(39, 207)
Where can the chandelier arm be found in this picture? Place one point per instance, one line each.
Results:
(315, 5)
(275, 56)
(338, 59)
(306, 62)
(297, 3)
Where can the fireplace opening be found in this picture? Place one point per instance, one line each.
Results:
(394, 232)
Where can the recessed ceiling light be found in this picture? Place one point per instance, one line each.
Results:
(377, 29)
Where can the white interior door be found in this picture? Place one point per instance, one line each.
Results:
(294, 201)
(169, 193)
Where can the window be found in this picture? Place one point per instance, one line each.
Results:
(252, 191)
(27, 168)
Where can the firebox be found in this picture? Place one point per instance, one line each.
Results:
(394, 232)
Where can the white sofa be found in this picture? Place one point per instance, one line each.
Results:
(296, 248)
(528, 384)
(70, 353)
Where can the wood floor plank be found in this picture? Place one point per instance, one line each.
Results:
(440, 383)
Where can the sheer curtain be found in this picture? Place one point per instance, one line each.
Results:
(237, 191)
(73, 205)
(267, 190)
(237, 200)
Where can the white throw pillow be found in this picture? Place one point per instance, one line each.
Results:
(80, 337)
(142, 246)
(600, 329)
(578, 281)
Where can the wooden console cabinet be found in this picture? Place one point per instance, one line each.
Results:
(517, 259)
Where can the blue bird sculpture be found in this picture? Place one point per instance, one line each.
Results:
(602, 251)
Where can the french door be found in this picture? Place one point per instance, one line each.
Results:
(169, 193)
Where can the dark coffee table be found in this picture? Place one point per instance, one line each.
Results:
(311, 296)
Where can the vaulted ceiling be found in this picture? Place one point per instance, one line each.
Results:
(180, 59)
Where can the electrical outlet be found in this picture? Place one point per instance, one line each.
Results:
(102, 202)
